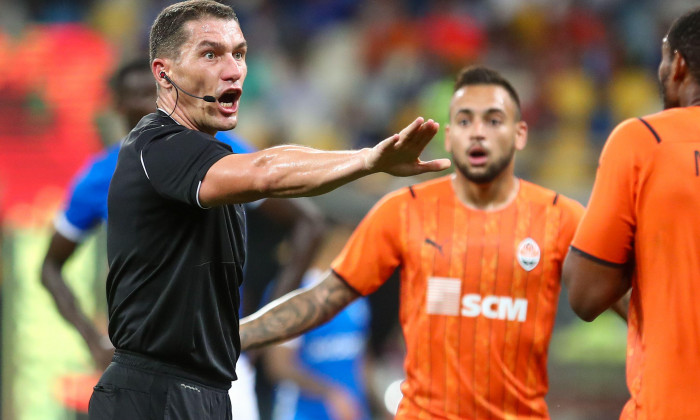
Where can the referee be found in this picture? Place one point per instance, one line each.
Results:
(176, 226)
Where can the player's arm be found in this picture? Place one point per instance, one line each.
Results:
(282, 363)
(307, 227)
(598, 266)
(294, 171)
(620, 306)
(296, 312)
(60, 249)
(595, 285)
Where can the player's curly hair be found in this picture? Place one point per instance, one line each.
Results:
(168, 31)
(684, 37)
(479, 75)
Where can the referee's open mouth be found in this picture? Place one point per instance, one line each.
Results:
(229, 100)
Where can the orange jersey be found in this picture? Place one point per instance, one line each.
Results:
(479, 292)
(643, 210)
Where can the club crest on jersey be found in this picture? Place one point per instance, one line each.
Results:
(528, 254)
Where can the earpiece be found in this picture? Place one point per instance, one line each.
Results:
(207, 98)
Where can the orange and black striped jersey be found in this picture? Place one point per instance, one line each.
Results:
(479, 292)
(642, 211)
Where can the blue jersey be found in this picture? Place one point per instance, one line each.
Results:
(87, 200)
(334, 351)
(238, 145)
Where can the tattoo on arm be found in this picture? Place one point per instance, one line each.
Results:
(296, 313)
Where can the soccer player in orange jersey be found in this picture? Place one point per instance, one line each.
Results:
(480, 253)
(641, 232)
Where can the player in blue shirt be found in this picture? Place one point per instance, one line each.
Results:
(134, 96)
(87, 206)
(322, 373)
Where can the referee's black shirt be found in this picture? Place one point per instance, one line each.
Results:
(174, 267)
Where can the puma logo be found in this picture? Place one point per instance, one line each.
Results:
(190, 387)
(433, 243)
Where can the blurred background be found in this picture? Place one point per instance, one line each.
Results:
(330, 74)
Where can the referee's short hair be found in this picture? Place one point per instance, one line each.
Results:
(168, 30)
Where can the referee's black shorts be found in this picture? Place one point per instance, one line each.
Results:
(135, 387)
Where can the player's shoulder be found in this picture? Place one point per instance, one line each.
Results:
(671, 114)
(99, 169)
(649, 130)
(630, 129)
(542, 195)
(415, 193)
(673, 124)
(426, 189)
(237, 144)
(106, 161)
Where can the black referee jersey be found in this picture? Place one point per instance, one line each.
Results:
(174, 267)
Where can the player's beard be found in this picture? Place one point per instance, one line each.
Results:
(492, 171)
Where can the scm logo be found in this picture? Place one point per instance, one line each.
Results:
(494, 307)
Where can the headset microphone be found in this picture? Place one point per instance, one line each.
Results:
(206, 98)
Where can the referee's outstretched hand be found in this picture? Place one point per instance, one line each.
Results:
(399, 155)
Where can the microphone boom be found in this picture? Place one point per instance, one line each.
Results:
(205, 98)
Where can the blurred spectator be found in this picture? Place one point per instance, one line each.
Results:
(322, 373)
(134, 96)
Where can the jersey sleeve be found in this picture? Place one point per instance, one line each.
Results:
(606, 231)
(177, 164)
(373, 251)
(86, 205)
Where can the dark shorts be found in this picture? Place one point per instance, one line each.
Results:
(137, 388)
